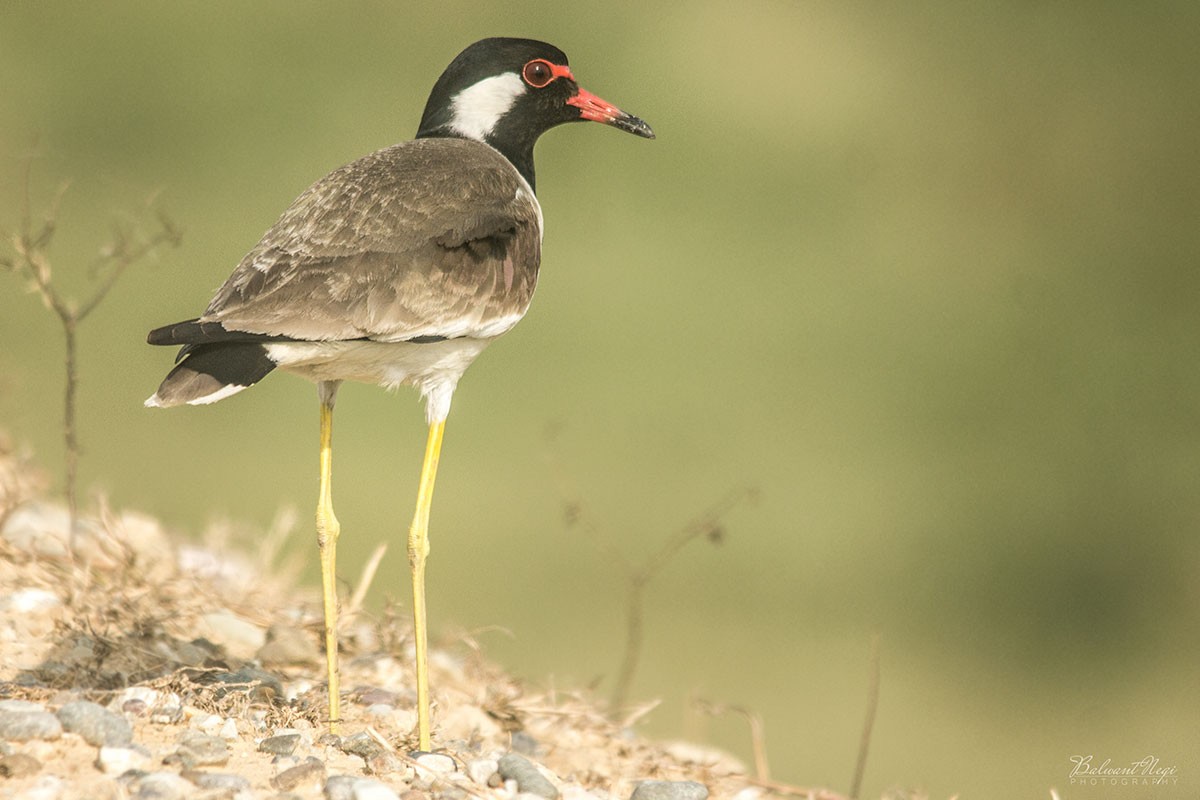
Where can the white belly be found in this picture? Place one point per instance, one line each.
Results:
(433, 368)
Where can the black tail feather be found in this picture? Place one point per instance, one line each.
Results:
(213, 371)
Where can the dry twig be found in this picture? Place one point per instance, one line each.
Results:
(872, 704)
(30, 248)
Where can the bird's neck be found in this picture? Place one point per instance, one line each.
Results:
(518, 150)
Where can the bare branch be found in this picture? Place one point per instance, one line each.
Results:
(758, 739)
(864, 742)
(121, 254)
(30, 259)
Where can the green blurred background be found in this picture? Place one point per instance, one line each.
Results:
(923, 274)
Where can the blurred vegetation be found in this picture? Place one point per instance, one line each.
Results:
(924, 274)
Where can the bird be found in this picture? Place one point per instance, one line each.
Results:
(397, 269)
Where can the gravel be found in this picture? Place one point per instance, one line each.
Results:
(200, 750)
(281, 745)
(22, 726)
(529, 779)
(670, 790)
(202, 720)
(97, 725)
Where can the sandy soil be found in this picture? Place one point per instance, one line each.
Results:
(181, 639)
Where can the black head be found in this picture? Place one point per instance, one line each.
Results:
(508, 92)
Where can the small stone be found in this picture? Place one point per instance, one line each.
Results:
(261, 685)
(18, 765)
(30, 601)
(750, 793)
(482, 769)
(135, 708)
(207, 723)
(282, 745)
(286, 645)
(220, 781)
(669, 790)
(370, 789)
(20, 705)
(167, 710)
(385, 764)
(97, 725)
(47, 787)
(309, 771)
(119, 760)
(143, 693)
(435, 763)
(22, 726)
(361, 744)
(159, 786)
(340, 787)
(229, 730)
(528, 777)
(239, 636)
(199, 750)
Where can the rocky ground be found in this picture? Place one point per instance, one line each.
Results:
(133, 665)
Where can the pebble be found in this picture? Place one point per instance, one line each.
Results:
(168, 710)
(261, 685)
(669, 790)
(310, 770)
(30, 601)
(18, 765)
(437, 763)
(529, 779)
(159, 786)
(229, 730)
(21, 726)
(47, 787)
(220, 781)
(386, 763)
(97, 725)
(20, 705)
(142, 694)
(361, 744)
(481, 770)
(119, 760)
(281, 745)
(226, 628)
(340, 787)
(199, 750)
(371, 789)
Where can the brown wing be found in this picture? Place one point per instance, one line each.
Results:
(433, 237)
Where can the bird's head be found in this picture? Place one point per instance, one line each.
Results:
(508, 92)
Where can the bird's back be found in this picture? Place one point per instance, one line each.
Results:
(428, 242)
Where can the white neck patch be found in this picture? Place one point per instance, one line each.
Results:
(475, 110)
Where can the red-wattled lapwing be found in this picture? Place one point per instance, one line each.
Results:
(397, 269)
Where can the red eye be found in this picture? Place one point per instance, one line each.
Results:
(538, 73)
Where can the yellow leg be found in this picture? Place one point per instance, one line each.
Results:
(327, 536)
(418, 551)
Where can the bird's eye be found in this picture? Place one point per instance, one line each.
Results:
(538, 73)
